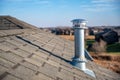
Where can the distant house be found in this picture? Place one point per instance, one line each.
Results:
(62, 31)
(110, 36)
(86, 32)
(118, 33)
(94, 30)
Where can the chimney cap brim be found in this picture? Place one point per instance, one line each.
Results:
(79, 20)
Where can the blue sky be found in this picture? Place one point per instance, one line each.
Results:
(51, 13)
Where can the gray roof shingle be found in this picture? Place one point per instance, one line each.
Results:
(43, 56)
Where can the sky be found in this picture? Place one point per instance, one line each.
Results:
(52, 13)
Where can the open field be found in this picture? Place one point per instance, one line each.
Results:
(71, 37)
(68, 37)
(109, 59)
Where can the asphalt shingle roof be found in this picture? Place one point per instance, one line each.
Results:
(32, 54)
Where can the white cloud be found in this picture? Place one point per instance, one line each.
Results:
(17, 0)
(104, 1)
(40, 1)
(101, 5)
(98, 9)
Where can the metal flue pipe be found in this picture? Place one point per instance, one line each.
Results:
(79, 60)
(79, 57)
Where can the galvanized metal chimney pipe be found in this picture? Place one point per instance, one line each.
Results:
(79, 40)
(79, 60)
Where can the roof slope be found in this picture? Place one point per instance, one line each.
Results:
(8, 22)
(30, 54)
